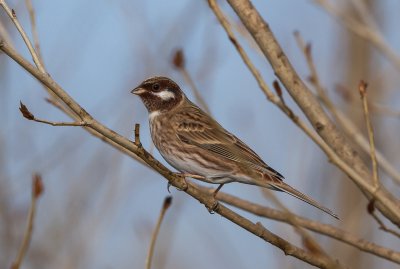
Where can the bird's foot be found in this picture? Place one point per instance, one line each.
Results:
(214, 207)
(168, 186)
(185, 184)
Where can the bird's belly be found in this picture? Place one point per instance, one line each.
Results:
(190, 164)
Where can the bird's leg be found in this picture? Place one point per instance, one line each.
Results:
(217, 190)
(215, 205)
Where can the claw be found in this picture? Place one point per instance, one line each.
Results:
(214, 207)
(168, 186)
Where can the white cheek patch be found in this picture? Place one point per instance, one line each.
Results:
(165, 95)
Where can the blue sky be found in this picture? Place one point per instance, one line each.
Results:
(104, 204)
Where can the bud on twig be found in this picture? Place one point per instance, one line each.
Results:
(179, 59)
(37, 186)
(25, 112)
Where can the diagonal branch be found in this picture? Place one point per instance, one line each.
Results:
(315, 226)
(175, 180)
(259, 29)
(346, 124)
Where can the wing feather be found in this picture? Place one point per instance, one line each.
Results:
(198, 129)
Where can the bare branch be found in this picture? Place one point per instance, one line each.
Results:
(368, 33)
(362, 88)
(348, 126)
(37, 190)
(166, 205)
(346, 157)
(175, 180)
(35, 35)
(28, 115)
(179, 61)
(13, 16)
(312, 225)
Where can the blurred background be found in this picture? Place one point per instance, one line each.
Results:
(99, 206)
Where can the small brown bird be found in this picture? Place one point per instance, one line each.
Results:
(199, 147)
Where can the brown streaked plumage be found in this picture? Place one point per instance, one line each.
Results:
(194, 143)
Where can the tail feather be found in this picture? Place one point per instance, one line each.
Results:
(281, 186)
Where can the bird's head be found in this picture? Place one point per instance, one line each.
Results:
(159, 94)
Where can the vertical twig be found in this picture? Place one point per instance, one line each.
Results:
(166, 205)
(35, 35)
(362, 88)
(37, 190)
(137, 135)
(179, 62)
(13, 16)
(347, 125)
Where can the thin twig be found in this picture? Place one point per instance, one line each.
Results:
(35, 35)
(28, 115)
(55, 100)
(368, 33)
(384, 110)
(347, 125)
(5, 35)
(37, 190)
(382, 226)
(179, 61)
(166, 205)
(362, 88)
(13, 16)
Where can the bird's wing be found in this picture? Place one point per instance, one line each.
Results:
(195, 127)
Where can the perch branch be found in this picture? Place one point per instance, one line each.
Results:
(175, 180)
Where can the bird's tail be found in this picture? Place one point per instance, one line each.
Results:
(281, 186)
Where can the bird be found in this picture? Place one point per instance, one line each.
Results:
(197, 146)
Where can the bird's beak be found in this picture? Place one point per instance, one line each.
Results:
(138, 90)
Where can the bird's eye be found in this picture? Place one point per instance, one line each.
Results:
(156, 86)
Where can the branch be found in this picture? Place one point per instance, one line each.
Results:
(166, 205)
(179, 61)
(13, 16)
(35, 35)
(28, 115)
(362, 88)
(347, 158)
(347, 125)
(37, 190)
(311, 225)
(175, 180)
(364, 31)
